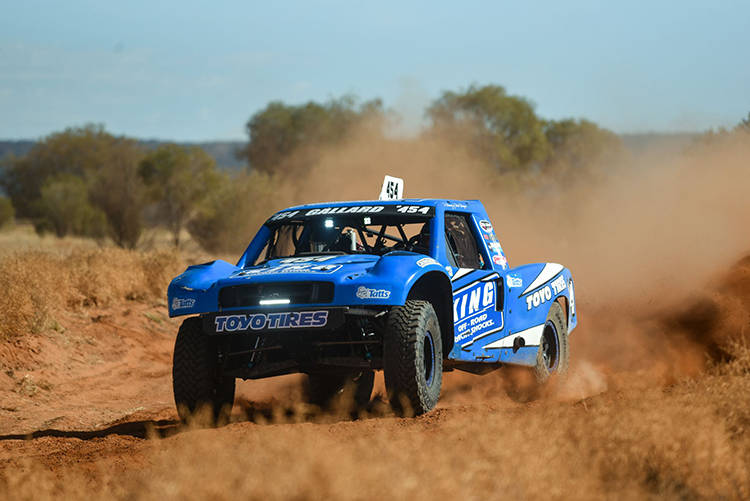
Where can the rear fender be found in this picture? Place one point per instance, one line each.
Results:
(532, 289)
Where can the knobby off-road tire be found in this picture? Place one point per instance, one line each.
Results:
(322, 389)
(195, 378)
(413, 358)
(553, 357)
(524, 384)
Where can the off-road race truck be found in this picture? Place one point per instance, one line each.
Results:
(337, 291)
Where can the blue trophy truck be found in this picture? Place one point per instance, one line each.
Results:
(337, 291)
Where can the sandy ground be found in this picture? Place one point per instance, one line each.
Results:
(86, 412)
(95, 389)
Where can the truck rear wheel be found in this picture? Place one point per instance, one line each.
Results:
(524, 384)
(196, 377)
(322, 389)
(413, 357)
(553, 357)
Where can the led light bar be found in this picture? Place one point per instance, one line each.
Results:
(271, 302)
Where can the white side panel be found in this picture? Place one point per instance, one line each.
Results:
(531, 337)
(548, 273)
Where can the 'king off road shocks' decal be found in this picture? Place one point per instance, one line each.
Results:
(262, 321)
(474, 312)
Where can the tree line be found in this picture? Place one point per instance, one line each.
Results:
(86, 182)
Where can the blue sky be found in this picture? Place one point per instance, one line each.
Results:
(194, 71)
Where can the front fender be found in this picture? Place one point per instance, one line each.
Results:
(388, 282)
(193, 291)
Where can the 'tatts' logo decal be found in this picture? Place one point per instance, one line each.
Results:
(260, 321)
(425, 261)
(180, 303)
(365, 293)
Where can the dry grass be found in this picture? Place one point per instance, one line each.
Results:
(35, 284)
(689, 441)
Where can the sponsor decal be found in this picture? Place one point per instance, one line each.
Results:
(289, 268)
(486, 237)
(365, 210)
(486, 226)
(284, 215)
(305, 259)
(260, 321)
(545, 293)
(412, 209)
(549, 271)
(365, 293)
(514, 282)
(500, 260)
(455, 205)
(180, 303)
(449, 270)
(495, 246)
(426, 261)
(471, 307)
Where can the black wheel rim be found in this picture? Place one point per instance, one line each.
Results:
(550, 347)
(429, 358)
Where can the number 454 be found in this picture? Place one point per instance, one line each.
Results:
(412, 209)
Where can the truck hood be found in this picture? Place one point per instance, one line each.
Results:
(322, 268)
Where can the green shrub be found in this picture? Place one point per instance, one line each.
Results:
(234, 211)
(65, 209)
(7, 213)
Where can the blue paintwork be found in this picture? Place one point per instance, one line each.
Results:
(196, 290)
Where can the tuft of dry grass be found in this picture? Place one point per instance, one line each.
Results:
(36, 284)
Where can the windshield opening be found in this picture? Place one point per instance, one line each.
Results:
(347, 235)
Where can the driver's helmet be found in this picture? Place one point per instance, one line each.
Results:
(319, 237)
(424, 235)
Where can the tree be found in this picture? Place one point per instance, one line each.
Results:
(279, 130)
(744, 125)
(720, 136)
(502, 129)
(79, 151)
(179, 180)
(578, 145)
(64, 207)
(119, 191)
(107, 165)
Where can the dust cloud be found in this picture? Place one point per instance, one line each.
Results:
(645, 242)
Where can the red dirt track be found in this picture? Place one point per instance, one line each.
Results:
(91, 415)
(656, 405)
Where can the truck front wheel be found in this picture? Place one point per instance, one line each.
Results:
(413, 358)
(196, 377)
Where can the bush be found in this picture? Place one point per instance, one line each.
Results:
(234, 212)
(7, 213)
(65, 209)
